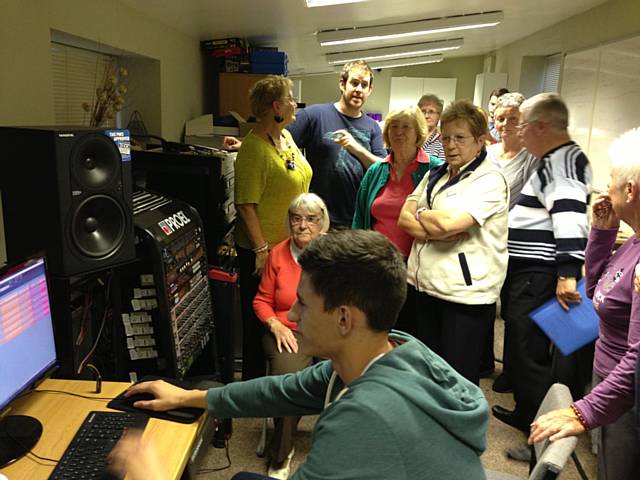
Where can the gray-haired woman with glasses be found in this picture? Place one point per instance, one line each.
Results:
(307, 219)
(509, 154)
(517, 165)
(458, 218)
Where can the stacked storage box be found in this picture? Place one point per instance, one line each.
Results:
(234, 53)
(269, 62)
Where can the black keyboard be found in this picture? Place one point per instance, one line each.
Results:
(86, 455)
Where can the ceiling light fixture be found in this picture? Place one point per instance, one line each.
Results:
(326, 3)
(412, 50)
(409, 29)
(405, 62)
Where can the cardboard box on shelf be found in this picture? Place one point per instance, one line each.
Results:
(244, 127)
(202, 125)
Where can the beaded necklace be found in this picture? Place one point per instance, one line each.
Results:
(287, 155)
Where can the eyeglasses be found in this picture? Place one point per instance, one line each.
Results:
(430, 113)
(289, 98)
(521, 126)
(309, 219)
(457, 139)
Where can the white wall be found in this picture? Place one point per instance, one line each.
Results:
(613, 20)
(324, 88)
(25, 76)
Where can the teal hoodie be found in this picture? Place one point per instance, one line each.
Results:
(408, 416)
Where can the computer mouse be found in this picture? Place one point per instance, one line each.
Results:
(184, 413)
(137, 397)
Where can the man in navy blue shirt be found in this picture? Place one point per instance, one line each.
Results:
(340, 142)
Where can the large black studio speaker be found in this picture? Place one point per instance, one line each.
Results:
(67, 191)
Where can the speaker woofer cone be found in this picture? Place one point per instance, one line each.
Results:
(95, 161)
(98, 226)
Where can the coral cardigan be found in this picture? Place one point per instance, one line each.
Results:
(277, 292)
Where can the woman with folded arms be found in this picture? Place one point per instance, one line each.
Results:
(610, 283)
(458, 218)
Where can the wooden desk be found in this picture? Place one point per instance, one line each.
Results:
(61, 415)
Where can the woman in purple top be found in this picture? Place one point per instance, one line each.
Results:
(610, 283)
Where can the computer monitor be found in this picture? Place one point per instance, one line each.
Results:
(27, 350)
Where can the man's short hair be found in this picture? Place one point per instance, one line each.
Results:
(498, 92)
(356, 65)
(414, 115)
(467, 112)
(361, 268)
(431, 99)
(548, 107)
(624, 153)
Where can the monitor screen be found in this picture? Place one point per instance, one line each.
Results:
(27, 348)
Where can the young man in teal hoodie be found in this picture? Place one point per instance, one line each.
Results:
(389, 407)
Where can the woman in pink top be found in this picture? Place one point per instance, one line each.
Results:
(307, 219)
(387, 184)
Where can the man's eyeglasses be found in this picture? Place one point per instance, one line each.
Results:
(430, 113)
(457, 139)
(309, 219)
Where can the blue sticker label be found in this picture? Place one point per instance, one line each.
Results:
(122, 141)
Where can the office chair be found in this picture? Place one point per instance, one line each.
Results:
(550, 456)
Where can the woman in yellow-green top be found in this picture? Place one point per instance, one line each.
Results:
(270, 172)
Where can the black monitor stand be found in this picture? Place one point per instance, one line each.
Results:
(18, 435)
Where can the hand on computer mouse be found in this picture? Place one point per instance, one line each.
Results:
(135, 457)
(167, 396)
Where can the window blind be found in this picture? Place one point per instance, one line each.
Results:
(552, 68)
(76, 75)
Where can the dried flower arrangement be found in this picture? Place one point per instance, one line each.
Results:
(109, 97)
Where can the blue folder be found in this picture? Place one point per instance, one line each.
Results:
(568, 330)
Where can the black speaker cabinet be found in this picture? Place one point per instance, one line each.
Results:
(67, 191)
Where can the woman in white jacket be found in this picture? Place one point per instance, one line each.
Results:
(458, 217)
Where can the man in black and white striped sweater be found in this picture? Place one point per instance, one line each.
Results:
(548, 230)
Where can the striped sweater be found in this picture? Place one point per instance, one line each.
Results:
(548, 225)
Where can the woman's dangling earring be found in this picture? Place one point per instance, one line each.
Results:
(278, 118)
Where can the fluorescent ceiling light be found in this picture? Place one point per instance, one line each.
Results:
(405, 62)
(387, 53)
(326, 3)
(409, 29)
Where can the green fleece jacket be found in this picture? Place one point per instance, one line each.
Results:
(409, 416)
(377, 177)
